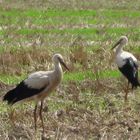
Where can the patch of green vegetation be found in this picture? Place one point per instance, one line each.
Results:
(57, 17)
(58, 13)
(31, 31)
(10, 79)
(120, 13)
(110, 74)
(68, 13)
(2, 32)
(34, 13)
(3, 109)
(10, 12)
(2, 49)
(75, 76)
(136, 49)
(79, 76)
(78, 31)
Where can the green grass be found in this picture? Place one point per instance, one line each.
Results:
(90, 111)
(78, 31)
(117, 14)
(90, 75)
(56, 17)
(10, 79)
(75, 76)
(59, 17)
(34, 13)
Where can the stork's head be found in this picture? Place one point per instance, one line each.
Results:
(57, 58)
(122, 41)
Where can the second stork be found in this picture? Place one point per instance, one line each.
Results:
(127, 63)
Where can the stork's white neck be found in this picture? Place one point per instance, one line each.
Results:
(58, 71)
(58, 67)
(119, 49)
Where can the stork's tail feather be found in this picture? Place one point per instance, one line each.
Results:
(10, 97)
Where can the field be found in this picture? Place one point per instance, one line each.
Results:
(89, 104)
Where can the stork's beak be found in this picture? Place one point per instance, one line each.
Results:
(117, 43)
(62, 62)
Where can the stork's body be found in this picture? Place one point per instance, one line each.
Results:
(37, 86)
(127, 63)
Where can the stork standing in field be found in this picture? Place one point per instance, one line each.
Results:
(127, 63)
(37, 86)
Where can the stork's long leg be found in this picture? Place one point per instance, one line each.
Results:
(128, 85)
(126, 92)
(41, 117)
(35, 116)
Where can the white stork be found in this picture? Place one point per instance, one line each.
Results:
(127, 63)
(37, 86)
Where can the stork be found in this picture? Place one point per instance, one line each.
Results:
(37, 86)
(127, 63)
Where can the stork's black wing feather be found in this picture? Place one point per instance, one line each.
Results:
(130, 71)
(20, 92)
